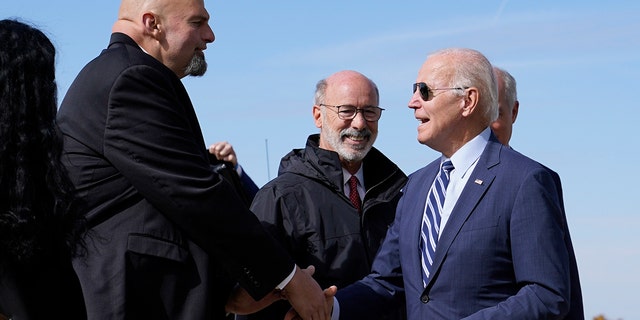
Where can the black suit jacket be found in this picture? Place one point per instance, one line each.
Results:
(43, 288)
(168, 237)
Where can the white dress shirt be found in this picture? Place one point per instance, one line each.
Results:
(464, 161)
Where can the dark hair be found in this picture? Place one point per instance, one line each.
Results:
(36, 196)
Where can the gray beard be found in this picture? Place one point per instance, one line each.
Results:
(335, 140)
(197, 66)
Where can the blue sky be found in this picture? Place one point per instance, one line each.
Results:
(576, 64)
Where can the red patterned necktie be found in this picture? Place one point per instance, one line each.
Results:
(354, 196)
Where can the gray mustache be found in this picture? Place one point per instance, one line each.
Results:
(365, 133)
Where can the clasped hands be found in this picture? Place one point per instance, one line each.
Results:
(304, 294)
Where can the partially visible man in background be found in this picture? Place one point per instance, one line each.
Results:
(503, 128)
(507, 105)
(222, 153)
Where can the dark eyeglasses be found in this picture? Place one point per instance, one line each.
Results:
(348, 112)
(424, 90)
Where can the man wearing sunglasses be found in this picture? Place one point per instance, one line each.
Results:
(479, 233)
(317, 210)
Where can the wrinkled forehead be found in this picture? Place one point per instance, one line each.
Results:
(436, 70)
(351, 87)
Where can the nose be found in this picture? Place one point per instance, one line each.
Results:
(415, 101)
(209, 36)
(359, 122)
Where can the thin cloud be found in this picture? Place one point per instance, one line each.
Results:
(496, 18)
(519, 34)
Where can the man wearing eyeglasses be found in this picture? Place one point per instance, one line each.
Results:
(480, 232)
(321, 214)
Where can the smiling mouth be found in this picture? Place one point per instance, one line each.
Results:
(356, 138)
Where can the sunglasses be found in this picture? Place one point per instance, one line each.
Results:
(424, 90)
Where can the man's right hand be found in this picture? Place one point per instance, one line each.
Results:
(329, 294)
(306, 296)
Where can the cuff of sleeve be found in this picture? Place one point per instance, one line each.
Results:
(335, 313)
(286, 280)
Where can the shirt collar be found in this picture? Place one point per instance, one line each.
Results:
(470, 152)
(359, 174)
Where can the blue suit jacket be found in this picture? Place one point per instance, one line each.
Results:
(505, 252)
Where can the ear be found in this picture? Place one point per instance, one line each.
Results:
(470, 101)
(317, 116)
(151, 24)
(514, 112)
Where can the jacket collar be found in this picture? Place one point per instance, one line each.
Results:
(324, 165)
(121, 38)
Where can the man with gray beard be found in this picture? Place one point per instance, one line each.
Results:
(332, 201)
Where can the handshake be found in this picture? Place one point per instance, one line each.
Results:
(304, 294)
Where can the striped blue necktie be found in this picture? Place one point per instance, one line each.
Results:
(431, 219)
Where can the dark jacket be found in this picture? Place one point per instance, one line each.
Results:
(43, 288)
(168, 237)
(306, 209)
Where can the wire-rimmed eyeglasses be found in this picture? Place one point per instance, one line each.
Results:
(349, 112)
(424, 90)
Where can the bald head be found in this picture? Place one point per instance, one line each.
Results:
(345, 77)
(129, 9)
(132, 13)
(139, 18)
(175, 32)
(130, 16)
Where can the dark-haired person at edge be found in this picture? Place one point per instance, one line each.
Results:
(39, 228)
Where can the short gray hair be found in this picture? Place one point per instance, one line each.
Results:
(475, 70)
(509, 86)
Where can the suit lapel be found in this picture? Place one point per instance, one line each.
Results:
(476, 187)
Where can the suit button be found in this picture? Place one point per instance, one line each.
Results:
(424, 298)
